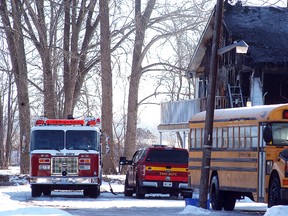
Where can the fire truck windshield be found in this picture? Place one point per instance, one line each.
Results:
(73, 140)
(47, 139)
(82, 140)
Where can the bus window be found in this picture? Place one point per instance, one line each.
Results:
(248, 139)
(219, 137)
(236, 137)
(280, 133)
(214, 138)
(224, 137)
(242, 137)
(231, 137)
(193, 138)
(198, 138)
(254, 136)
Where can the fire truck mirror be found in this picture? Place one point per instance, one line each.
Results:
(267, 134)
(107, 145)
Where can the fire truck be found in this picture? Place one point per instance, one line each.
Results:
(65, 154)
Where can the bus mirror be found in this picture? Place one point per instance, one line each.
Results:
(267, 134)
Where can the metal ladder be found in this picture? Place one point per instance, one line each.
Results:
(235, 95)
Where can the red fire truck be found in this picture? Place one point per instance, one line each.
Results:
(65, 154)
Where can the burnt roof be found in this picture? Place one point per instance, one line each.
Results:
(264, 29)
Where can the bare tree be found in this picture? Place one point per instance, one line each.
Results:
(106, 75)
(15, 41)
(141, 23)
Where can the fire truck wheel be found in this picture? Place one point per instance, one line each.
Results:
(128, 192)
(139, 192)
(274, 192)
(36, 190)
(216, 196)
(94, 191)
(46, 190)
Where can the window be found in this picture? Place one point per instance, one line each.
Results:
(47, 139)
(167, 156)
(82, 140)
(280, 133)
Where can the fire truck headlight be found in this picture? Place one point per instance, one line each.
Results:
(44, 167)
(84, 167)
(269, 165)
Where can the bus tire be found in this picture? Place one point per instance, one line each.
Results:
(216, 196)
(229, 201)
(36, 190)
(274, 192)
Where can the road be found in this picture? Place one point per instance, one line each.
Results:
(106, 204)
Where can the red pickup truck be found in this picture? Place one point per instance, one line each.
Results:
(157, 169)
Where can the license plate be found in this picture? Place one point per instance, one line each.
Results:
(167, 184)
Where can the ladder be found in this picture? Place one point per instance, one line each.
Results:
(235, 95)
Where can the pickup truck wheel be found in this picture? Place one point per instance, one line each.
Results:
(274, 192)
(216, 196)
(139, 193)
(128, 192)
(36, 190)
(86, 192)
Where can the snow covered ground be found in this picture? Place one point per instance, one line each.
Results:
(17, 200)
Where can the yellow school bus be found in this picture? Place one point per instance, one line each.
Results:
(249, 155)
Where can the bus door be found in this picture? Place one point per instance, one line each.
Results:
(261, 165)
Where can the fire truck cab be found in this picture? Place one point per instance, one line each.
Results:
(65, 154)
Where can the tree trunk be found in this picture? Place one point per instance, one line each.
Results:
(15, 42)
(2, 162)
(107, 98)
(141, 22)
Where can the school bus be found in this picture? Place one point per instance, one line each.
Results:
(248, 157)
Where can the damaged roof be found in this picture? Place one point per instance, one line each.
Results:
(264, 29)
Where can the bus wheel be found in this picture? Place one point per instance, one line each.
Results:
(215, 194)
(274, 192)
(229, 201)
(36, 190)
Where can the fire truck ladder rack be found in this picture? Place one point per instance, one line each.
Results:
(235, 96)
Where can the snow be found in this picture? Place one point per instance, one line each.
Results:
(17, 200)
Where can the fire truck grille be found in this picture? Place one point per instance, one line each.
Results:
(68, 164)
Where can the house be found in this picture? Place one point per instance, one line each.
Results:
(258, 77)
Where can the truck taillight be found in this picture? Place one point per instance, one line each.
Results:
(143, 170)
(44, 164)
(84, 163)
(44, 160)
(84, 160)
